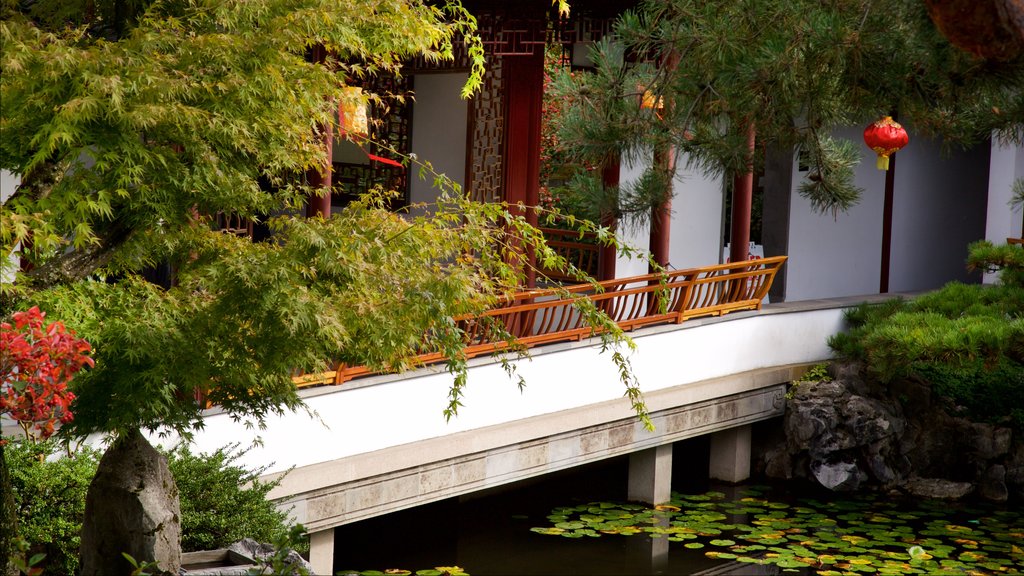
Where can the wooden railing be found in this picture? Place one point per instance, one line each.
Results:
(580, 252)
(546, 316)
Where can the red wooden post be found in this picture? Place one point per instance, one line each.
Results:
(664, 160)
(522, 135)
(890, 184)
(607, 254)
(742, 197)
(320, 178)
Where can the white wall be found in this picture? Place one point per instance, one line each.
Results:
(439, 123)
(938, 208)
(696, 230)
(8, 183)
(354, 419)
(1001, 222)
(939, 205)
(696, 234)
(831, 257)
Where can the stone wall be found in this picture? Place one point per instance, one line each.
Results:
(851, 434)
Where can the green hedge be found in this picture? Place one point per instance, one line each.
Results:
(965, 340)
(221, 502)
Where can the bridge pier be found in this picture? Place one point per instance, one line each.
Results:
(321, 551)
(730, 454)
(650, 475)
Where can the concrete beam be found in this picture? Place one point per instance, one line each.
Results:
(445, 477)
(730, 455)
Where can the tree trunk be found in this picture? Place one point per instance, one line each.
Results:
(131, 508)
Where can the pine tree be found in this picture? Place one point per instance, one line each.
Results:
(791, 71)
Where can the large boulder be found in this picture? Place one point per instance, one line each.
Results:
(852, 433)
(131, 508)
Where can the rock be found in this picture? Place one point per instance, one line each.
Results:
(937, 488)
(993, 484)
(778, 464)
(869, 420)
(989, 442)
(260, 552)
(131, 507)
(838, 476)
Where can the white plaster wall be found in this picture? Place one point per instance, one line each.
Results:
(439, 123)
(696, 230)
(8, 183)
(357, 420)
(939, 206)
(832, 257)
(696, 233)
(1006, 165)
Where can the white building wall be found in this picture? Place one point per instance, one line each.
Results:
(1007, 164)
(938, 208)
(696, 231)
(439, 123)
(836, 256)
(939, 204)
(8, 183)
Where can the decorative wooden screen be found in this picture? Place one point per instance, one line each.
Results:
(389, 125)
(487, 135)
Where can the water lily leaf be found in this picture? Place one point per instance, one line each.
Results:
(693, 545)
(430, 572)
(722, 542)
(397, 572)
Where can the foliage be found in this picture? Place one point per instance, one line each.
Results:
(966, 340)
(119, 175)
(1017, 200)
(1007, 259)
(828, 537)
(49, 492)
(37, 362)
(282, 561)
(221, 502)
(817, 373)
(791, 70)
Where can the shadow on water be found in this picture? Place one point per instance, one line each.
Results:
(575, 522)
(488, 533)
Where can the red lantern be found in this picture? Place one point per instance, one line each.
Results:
(885, 137)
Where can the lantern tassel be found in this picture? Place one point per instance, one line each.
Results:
(882, 163)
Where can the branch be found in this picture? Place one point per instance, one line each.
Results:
(78, 264)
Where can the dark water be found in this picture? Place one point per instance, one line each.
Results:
(489, 534)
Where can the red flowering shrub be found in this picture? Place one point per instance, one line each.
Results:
(37, 361)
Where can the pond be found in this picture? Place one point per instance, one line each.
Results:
(575, 523)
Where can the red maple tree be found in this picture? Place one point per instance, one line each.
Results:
(37, 361)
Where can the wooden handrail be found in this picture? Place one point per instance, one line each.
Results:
(580, 251)
(537, 317)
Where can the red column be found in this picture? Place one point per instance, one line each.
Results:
(523, 97)
(742, 197)
(890, 185)
(607, 254)
(661, 215)
(664, 160)
(320, 179)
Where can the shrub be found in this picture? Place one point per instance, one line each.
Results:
(966, 340)
(221, 502)
(49, 494)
